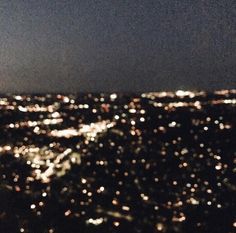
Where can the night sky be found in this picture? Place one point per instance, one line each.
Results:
(117, 45)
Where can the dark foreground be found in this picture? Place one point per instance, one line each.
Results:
(156, 162)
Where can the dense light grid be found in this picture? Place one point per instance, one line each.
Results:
(154, 162)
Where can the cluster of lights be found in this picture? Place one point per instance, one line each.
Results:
(108, 162)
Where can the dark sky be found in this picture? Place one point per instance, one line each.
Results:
(117, 45)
